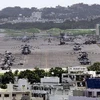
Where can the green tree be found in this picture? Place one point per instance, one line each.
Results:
(16, 73)
(94, 67)
(3, 86)
(41, 73)
(8, 77)
(30, 75)
(57, 71)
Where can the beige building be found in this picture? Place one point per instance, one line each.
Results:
(21, 90)
(12, 94)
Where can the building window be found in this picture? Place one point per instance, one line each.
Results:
(65, 75)
(35, 95)
(6, 95)
(98, 94)
(90, 94)
(27, 94)
(32, 94)
(13, 95)
(0, 95)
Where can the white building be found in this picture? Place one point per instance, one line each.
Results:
(50, 89)
(77, 69)
(88, 94)
(50, 80)
(97, 29)
(77, 80)
(91, 92)
(36, 15)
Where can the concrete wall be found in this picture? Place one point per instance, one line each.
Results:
(17, 97)
(50, 80)
(78, 93)
(58, 97)
(22, 84)
(36, 98)
(82, 98)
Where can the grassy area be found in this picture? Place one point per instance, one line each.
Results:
(53, 31)
(32, 30)
(11, 32)
(80, 31)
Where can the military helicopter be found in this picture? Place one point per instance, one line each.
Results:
(77, 47)
(26, 49)
(85, 61)
(26, 39)
(82, 55)
(83, 58)
(7, 61)
(62, 39)
(65, 38)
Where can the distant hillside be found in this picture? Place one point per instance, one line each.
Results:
(76, 11)
(84, 24)
(16, 11)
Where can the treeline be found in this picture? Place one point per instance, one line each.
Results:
(80, 11)
(35, 75)
(17, 11)
(48, 25)
(32, 76)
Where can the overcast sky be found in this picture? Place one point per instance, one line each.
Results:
(43, 3)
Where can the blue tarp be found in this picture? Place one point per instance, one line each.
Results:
(93, 83)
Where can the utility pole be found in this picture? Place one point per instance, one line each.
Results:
(46, 61)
